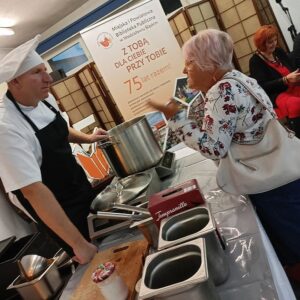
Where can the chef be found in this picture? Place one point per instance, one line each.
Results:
(36, 160)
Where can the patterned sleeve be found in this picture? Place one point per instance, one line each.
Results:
(211, 133)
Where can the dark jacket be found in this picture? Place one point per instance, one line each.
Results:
(268, 78)
(296, 51)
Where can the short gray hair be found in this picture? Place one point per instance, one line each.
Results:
(210, 49)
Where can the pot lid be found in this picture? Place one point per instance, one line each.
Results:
(122, 191)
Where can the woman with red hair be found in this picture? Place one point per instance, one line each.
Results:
(274, 71)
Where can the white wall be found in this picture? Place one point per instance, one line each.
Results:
(71, 18)
(77, 14)
(282, 19)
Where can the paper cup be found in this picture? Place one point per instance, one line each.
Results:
(112, 286)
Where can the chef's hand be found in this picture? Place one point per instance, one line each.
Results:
(84, 252)
(98, 134)
(169, 109)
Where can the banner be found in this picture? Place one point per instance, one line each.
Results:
(137, 55)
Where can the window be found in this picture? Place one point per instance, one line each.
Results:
(170, 5)
(69, 59)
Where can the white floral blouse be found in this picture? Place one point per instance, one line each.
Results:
(227, 113)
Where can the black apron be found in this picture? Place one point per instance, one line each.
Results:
(61, 174)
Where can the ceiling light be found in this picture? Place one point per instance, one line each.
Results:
(7, 22)
(6, 31)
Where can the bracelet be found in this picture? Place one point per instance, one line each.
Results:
(284, 80)
(169, 102)
(287, 80)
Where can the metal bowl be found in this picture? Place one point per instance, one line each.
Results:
(32, 265)
(45, 286)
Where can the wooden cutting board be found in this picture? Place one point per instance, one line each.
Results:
(129, 259)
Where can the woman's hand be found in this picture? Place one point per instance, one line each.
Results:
(294, 77)
(169, 109)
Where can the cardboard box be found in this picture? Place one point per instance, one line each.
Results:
(174, 200)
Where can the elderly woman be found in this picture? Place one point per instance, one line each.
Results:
(229, 113)
(274, 71)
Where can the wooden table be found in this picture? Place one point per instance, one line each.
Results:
(128, 258)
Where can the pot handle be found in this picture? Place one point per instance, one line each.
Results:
(140, 210)
(107, 142)
(103, 145)
(119, 216)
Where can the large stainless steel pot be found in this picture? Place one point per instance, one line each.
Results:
(132, 147)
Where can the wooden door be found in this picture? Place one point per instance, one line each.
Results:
(81, 95)
(106, 95)
(191, 19)
(202, 16)
(74, 101)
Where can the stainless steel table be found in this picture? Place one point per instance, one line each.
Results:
(255, 272)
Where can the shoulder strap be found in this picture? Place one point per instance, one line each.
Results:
(12, 99)
(251, 91)
(50, 107)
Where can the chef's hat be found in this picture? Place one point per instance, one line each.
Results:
(20, 60)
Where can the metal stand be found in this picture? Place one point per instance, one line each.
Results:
(100, 226)
(291, 29)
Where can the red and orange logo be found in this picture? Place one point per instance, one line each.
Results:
(104, 40)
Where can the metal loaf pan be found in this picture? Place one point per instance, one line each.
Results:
(191, 224)
(43, 287)
(185, 226)
(178, 273)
